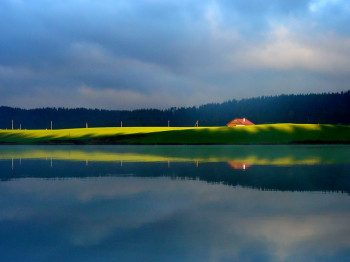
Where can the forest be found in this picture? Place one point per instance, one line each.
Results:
(325, 108)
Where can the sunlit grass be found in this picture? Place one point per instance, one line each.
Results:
(257, 134)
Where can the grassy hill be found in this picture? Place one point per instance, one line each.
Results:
(258, 134)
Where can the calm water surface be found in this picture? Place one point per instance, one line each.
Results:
(174, 203)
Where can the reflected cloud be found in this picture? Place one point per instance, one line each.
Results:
(128, 218)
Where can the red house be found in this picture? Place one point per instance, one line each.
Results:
(240, 122)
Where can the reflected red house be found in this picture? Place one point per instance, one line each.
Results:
(238, 165)
(240, 122)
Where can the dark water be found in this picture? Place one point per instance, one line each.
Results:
(175, 203)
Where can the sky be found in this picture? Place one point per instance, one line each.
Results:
(130, 54)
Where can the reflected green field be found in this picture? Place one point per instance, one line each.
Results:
(250, 155)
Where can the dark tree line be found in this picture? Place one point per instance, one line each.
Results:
(331, 108)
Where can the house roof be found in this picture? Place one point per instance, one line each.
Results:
(240, 121)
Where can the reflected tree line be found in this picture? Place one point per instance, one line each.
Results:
(326, 178)
(332, 108)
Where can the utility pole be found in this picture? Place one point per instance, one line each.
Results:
(12, 124)
(51, 124)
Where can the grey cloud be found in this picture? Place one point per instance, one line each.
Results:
(173, 48)
(332, 16)
(261, 7)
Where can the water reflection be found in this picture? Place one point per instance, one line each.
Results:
(72, 208)
(208, 164)
(238, 165)
(249, 155)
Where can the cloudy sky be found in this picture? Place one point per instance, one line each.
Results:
(154, 53)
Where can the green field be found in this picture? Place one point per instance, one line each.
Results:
(257, 134)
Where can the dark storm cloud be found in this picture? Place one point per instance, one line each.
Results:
(154, 53)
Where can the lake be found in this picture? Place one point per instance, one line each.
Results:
(175, 203)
